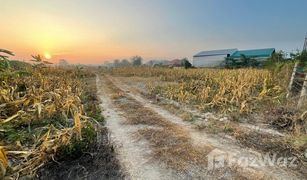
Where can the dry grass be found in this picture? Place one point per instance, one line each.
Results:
(186, 116)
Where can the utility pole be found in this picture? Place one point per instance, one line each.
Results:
(305, 44)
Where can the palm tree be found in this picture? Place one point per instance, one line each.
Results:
(4, 61)
(4, 54)
(39, 61)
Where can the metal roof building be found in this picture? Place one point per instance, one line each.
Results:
(212, 58)
(254, 53)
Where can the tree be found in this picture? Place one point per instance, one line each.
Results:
(248, 62)
(245, 61)
(185, 63)
(124, 63)
(39, 62)
(136, 60)
(294, 55)
(116, 63)
(302, 57)
(277, 57)
(4, 54)
(63, 63)
(230, 62)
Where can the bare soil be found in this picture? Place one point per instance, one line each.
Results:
(100, 162)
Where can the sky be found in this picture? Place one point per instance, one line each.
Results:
(95, 31)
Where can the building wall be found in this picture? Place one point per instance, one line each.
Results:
(209, 61)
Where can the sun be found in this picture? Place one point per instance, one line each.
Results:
(47, 55)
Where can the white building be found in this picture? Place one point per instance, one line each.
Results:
(213, 58)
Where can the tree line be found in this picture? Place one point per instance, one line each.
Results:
(133, 61)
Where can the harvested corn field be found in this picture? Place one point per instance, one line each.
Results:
(149, 126)
(241, 90)
(51, 115)
(153, 90)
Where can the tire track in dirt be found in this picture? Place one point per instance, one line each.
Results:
(133, 155)
(219, 143)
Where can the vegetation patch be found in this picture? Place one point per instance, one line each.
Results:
(93, 156)
(47, 114)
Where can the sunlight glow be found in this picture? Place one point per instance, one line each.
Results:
(47, 55)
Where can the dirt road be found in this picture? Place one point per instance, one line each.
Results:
(153, 143)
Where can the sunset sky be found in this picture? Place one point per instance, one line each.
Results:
(93, 31)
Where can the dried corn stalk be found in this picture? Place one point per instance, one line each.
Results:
(77, 126)
(39, 98)
(3, 162)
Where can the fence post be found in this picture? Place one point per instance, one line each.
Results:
(292, 79)
(303, 95)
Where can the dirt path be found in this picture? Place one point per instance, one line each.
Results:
(134, 155)
(167, 121)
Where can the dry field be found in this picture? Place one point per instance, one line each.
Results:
(247, 107)
(147, 123)
(239, 91)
